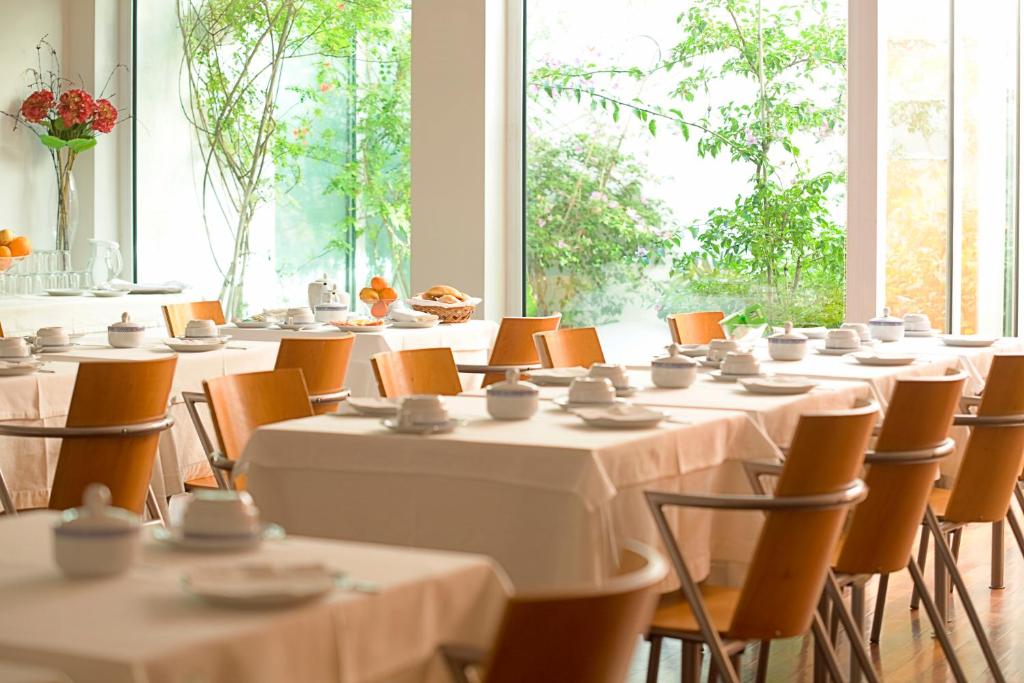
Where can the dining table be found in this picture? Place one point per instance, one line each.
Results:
(24, 314)
(390, 611)
(470, 343)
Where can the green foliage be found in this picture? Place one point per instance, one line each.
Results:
(778, 238)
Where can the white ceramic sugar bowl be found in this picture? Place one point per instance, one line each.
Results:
(674, 371)
(886, 327)
(787, 345)
(126, 334)
(96, 539)
(512, 399)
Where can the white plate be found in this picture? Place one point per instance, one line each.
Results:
(196, 345)
(621, 417)
(969, 341)
(720, 376)
(154, 289)
(108, 293)
(777, 385)
(18, 369)
(812, 332)
(921, 333)
(63, 348)
(414, 324)
(835, 352)
(374, 407)
(882, 360)
(299, 327)
(253, 324)
(361, 328)
(440, 428)
(563, 403)
(259, 585)
(64, 292)
(175, 537)
(556, 377)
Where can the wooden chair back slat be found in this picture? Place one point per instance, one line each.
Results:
(794, 550)
(239, 404)
(879, 538)
(107, 394)
(585, 637)
(176, 316)
(994, 455)
(514, 343)
(324, 364)
(416, 371)
(696, 328)
(565, 348)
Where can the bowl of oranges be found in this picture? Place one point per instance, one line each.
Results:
(378, 296)
(13, 248)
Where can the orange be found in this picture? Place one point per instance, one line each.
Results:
(378, 283)
(388, 294)
(20, 246)
(6, 235)
(368, 296)
(379, 309)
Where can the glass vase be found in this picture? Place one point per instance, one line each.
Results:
(67, 205)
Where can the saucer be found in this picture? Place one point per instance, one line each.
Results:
(26, 366)
(53, 348)
(710, 363)
(65, 292)
(921, 333)
(414, 324)
(967, 340)
(253, 324)
(720, 376)
(196, 345)
(298, 327)
(374, 407)
(108, 293)
(556, 377)
(693, 350)
(445, 427)
(176, 537)
(883, 360)
(622, 416)
(259, 585)
(777, 385)
(836, 352)
(563, 403)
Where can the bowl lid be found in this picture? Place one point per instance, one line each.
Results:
(787, 336)
(886, 319)
(126, 325)
(674, 359)
(97, 517)
(512, 386)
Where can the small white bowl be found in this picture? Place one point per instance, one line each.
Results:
(512, 399)
(220, 513)
(591, 390)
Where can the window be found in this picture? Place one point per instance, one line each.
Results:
(685, 156)
(273, 145)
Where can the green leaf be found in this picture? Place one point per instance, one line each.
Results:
(81, 144)
(651, 126)
(52, 142)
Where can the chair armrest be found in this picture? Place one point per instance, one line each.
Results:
(920, 456)
(967, 402)
(756, 469)
(853, 493)
(218, 460)
(329, 397)
(459, 658)
(971, 420)
(139, 429)
(483, 369)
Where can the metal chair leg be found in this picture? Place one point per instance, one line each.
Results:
(689, 669)
(1015, 527)
(819, 674)
(937, 624)
(192, 399)
(156, 513)
(943, 555)
(828, 653)
(860, 661)
(876, 622)
(654, 659)
(941, 582)
(763, 653)
(922, 557)
(998, 551)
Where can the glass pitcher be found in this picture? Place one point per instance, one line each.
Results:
(105, 262)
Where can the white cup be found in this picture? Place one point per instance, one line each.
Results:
(14, 347)
(221, 513)
(201, 328)
(300, 315)
(52, 336)
(844, 338)
(422, 409)
(615, 373)
(740, 363)
(591, 390)
(717, 348)
(917, 322)
(862, 330)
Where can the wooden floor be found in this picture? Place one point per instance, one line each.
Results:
(908, 651)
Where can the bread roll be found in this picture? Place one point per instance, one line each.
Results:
(437, 291)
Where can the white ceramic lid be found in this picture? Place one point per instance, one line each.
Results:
(787, 336)
(126, 325)
(97, 516)
(674, 359)
(512, 386)
(322, 281)
(886, 319)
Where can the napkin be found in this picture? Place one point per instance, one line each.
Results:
(401, 312)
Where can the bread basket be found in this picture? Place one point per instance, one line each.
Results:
(447, 314)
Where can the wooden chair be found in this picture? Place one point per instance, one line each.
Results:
(879, 536)
(239, 404)
(566, 348)
(117, 412)
(696, 328)
(514, 347)
(176, 316)
(583, 636)
(416, 371)
(784, 582)
(324, 364)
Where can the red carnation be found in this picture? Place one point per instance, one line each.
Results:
(76, 107)
(36, 106)
(105, 118)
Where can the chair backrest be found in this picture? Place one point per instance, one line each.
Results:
(696, 328)
(569, 347)
(580, 636)
(794, 550)
(241, 403)
(324, 364)
(880, 535)
(176, 316)
(514, 343)
(994, 454)
(416, 371)
(108, 394)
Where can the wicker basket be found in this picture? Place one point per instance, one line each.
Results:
(447, 314)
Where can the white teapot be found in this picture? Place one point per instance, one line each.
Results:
(317, 289)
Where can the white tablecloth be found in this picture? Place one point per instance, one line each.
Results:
(550, 499)
(470, 342)
(26, 314)
(142, 627)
